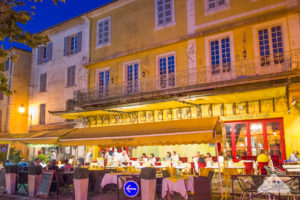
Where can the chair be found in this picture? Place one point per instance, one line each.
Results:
(249, 168)
(261, 167)
(183, 159)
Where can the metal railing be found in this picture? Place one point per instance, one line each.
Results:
(240, 69)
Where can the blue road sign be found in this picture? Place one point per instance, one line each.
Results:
(131, 189)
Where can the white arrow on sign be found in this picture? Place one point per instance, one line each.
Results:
(129, 189)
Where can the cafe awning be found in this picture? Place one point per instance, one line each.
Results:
(186, 131)
(42, 137)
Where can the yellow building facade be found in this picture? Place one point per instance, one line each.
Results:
(164, 60)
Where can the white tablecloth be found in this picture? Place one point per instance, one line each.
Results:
(111, 179)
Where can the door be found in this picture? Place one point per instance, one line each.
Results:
(132, 76)
(104, 83)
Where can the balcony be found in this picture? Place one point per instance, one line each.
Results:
(191, 80)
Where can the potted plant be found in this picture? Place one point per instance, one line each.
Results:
(34, 178)
(11, 178)
(81, 182)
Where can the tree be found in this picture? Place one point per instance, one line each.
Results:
(12, 15)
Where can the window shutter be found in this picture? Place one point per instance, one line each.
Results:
(0, 120)
(66, 46)
(39, 49)
(73, 75)
(42, 113)
(79, 40)
(49, 51)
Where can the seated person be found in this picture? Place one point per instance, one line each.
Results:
(294, 157)
(144, 158)
(52, 165)
(208, 158)
(168, 157)
(175, 157)
(67, 165)
(263, 156)
(152, 158)
(221, 157)
(123, 158)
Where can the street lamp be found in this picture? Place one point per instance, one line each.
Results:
(21, 109)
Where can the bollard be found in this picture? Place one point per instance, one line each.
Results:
(11, 178)
(34, 178)
(148, 183)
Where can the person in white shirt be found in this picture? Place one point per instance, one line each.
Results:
(123, 159)
(43, 164)
(152, 159)
(116, 158)
(294, 157)
(175, 157)
(109, 156)
(221, 157)
(89, 156)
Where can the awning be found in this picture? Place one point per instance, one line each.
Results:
(42, 137)
(187, 131)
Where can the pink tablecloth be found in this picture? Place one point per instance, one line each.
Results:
(111, 179)
(181, 186)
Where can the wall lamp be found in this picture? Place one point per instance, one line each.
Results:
(295, 103)
(21, 109)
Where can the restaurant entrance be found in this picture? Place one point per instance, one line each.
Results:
(245, 139)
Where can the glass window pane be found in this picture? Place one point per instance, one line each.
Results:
(257, 138)
(273, 134)
(241, 140)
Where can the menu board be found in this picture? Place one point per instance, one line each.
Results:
(45, 184)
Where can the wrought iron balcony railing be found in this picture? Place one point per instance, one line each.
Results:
(245, 68)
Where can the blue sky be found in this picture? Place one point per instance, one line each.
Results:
(47, 14)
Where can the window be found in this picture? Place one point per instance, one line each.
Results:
(166, 71)
(220, 55)
(216, 5)
(164, 13)
(6, 64)
(104, 83)
(70, 105)
(132, 78)
(103, 32)
(43, 82)
(271, 45)
(71, 76)
(72, 44)
(44, 53)
(42, 114)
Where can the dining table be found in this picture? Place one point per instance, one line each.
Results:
(181, 185)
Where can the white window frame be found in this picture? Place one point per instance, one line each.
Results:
(97, 78)
(268, 25)
(125, 75)
(216, 77)
(158, 57)
(209, 11)
(172, 23)
(106, 44)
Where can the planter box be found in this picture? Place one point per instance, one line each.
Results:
(81, 183)
(33, 184)
(11, 178)
(148, 189)
(10, 183)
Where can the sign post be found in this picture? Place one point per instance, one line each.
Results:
(131, 189)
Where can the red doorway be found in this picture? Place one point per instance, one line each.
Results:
(247, 138)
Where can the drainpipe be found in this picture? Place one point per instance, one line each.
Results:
(288, 96)
(8, 97)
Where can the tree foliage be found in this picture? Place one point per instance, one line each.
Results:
(13, 15)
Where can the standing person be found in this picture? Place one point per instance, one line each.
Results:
(175, 157)
(72, 161)
(43, 164)
(53, 156)
(109, 157)
(124, 158)
(37, 162)
(168, 157)
(89, 156)
(294, 157)
(116, 157)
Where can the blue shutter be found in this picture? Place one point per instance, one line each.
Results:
(49, 51)
(39, 55)
(79, 42)
(66, 46)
